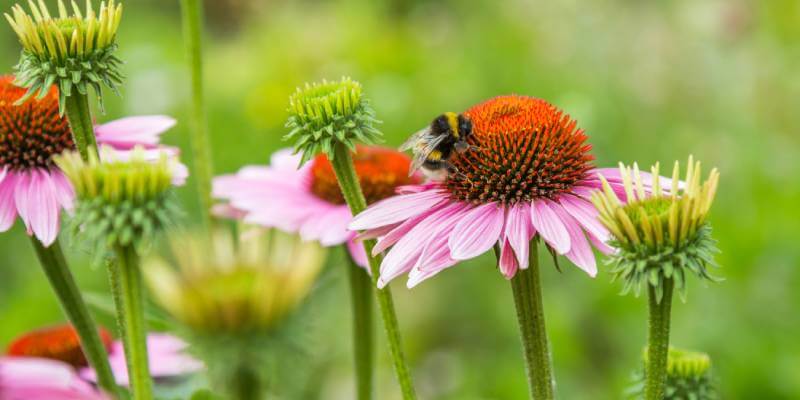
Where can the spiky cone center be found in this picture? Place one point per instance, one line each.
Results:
(326, 113)
(33, 132)
(380, 171)
(660, 234)
(526, 149)
(256, 285)
(120, 202)
(74, 51)
(57, 343)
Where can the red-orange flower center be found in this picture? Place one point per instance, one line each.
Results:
(58, 343)
(33, 132)
(380, 171)
(528, 149)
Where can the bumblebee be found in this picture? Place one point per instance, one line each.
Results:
(434, 145)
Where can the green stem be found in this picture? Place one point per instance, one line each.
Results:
(192, 16)
(63, 284)
(658, 342)
(527, 290)
(80, 122)
(342, 163)
(245, 384)
(131, 317)
(361, 302)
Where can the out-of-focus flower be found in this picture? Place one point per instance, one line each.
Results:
(530, 176)
(59, 342)
(29, 378)
(214, 288)
(658, 236)
(166, 354)
(307, 199)
(32, 133)
(73, 51)
(120, 201)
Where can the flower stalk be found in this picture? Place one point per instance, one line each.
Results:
(80, 122)
(192, 16)
(363, 330)
(527, 289)
(658, 342)
(131, 318)
(342, 163)
(58, 274)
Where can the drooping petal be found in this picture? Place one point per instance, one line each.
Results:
(8, 208)
(477, 231)
(406, 252)
(507, 262)
(396, 209)
(127, 133)
(519, 232)
(580, 253)
(37, 203)
(586, 214)
(65, 193)
(393, 236)
(549, 225)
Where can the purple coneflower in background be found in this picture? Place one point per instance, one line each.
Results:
(530, 175)
(31, 186)
(307, 199)
(30, 378)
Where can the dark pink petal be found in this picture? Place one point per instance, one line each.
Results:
(549, 225)
(8, 208)
(396, 209)
(580, 253)
(519, 231)
(507, 262)
(37, 203)
(127, 133)
(586, 214)
(477, 231)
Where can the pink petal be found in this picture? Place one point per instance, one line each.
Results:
(36, 198)
(406, 252)
(549, 225)
(398, 232)
(477, 231)
(586, 214)
(356, 249)
(285, 160)
(65, 194)
(580, 253)
(507, 262)
(519, 232)
(376, 233)
(396, 209)
(127, 133)
(8, 208)
(23, 378)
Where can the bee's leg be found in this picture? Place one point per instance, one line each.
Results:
(452, 169)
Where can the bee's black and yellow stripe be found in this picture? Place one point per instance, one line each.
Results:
(452, 120)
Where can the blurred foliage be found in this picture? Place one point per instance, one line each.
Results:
(649, 81)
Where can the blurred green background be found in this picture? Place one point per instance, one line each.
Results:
(649, 81)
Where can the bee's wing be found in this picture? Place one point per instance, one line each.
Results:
(423, 149)
(413, 139)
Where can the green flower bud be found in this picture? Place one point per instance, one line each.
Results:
(322, 114)
(73, 51)
(661, 235)
(120, 203)
(688, 377)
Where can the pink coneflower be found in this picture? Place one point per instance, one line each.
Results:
(30, 378)
(31, 186)
(168, 357)
(531, 175)
(307, 199)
